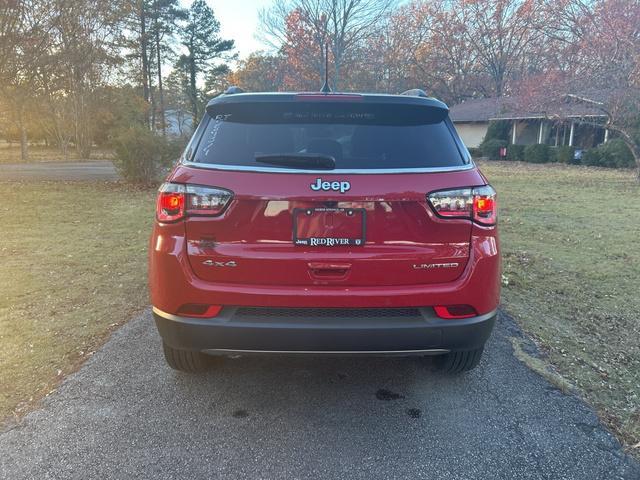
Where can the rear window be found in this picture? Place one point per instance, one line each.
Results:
(357, 137)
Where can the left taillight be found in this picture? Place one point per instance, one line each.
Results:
(170, 203)
(478, 204)
(176, 201)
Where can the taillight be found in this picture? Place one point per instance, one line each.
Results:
(485, 205)
(478, 204)
(175, 201)
(206, 200)
(170, 204)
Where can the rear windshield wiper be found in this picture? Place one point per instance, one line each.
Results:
(313, 161)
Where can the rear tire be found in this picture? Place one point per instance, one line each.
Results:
(459, 361)
(188, 361)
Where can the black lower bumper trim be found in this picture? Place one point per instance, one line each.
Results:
(311, 335)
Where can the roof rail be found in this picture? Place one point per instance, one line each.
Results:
(415, 92)
(232, 90)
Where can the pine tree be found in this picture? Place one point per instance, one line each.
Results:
(165, 18)
(201, 38)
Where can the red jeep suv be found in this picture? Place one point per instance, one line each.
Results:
(325, 223)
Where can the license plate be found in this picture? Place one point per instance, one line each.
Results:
(329, 227)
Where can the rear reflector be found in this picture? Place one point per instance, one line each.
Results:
(199, 310)
(455, 311)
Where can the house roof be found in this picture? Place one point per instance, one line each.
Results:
(476, 110)
(509, 108)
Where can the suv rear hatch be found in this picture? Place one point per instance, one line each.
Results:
(360, 218)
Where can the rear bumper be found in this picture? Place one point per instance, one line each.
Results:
(231, 333)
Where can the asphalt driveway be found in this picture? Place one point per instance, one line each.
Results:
(59, 171)
(126, 415)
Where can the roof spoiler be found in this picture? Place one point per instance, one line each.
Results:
(229, 91)
(415, 92)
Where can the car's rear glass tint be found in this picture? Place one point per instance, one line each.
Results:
(356, 136)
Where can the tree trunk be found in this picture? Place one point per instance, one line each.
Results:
(144, 53)
(163, 125)
(152, 100)
(81, 122)
(193, 92)
(499, 80)
(630, 142)
(24, 146)
(635, 151)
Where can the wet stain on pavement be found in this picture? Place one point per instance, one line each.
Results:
(386, 395)
(240, 414)
(414, 412)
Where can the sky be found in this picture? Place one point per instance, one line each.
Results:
(239, 21)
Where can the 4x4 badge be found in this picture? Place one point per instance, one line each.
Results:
(341, 187)
(212, 263)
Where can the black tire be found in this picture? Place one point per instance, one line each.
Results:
(459, 361)
(186, 360)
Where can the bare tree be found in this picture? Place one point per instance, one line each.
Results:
(85, 44)
(501, 34)
(341, 23)
(11, 19)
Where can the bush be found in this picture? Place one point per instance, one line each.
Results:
(613, 154)
(491, 148)
(515, 153)
(497, 136)
(566, 154)
(537, 153)
(141, 155)
(498, 130)
(475, 152)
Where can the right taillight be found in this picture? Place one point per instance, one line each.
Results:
(176, 201)
(478, 204)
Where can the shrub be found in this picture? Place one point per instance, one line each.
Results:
(497, 136)
(566, 154)
(515, 153)
(141, 155)
(498, 130)
(613, 154)
(539, 153)
(475, 152)
(491, 148)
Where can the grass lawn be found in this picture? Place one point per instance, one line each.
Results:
(10, 153)
(571, 264)
(72, 267)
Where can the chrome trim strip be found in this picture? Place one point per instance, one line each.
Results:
(170, 316)
(341, 171)
(428, 351)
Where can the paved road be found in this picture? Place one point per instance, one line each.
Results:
(125, 415)
(93, 170)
